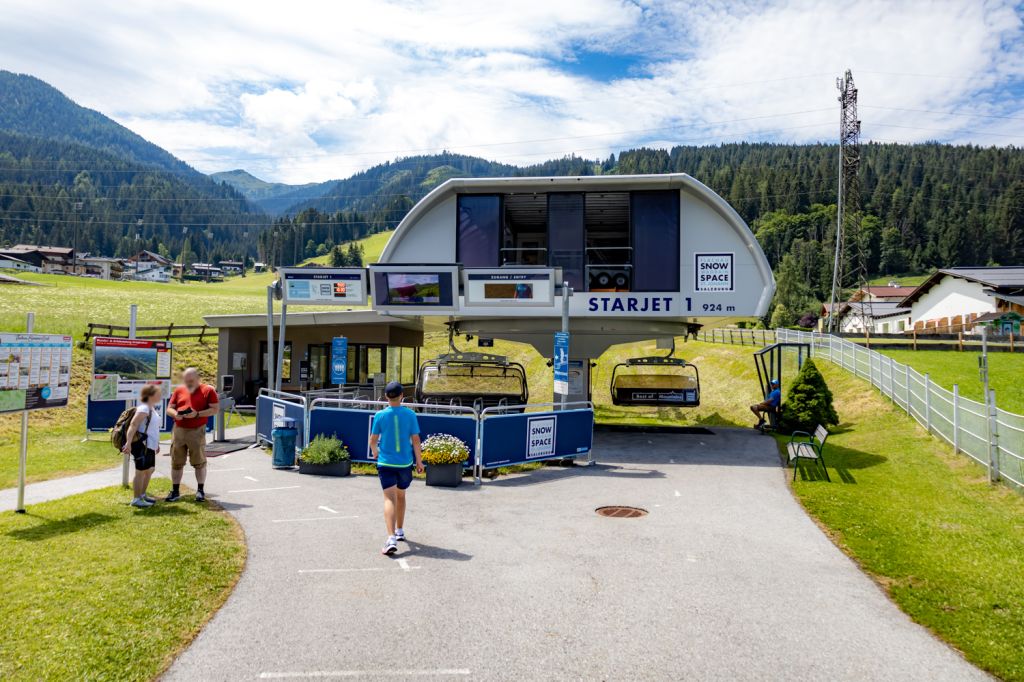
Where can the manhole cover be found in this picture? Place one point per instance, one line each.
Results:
(620, 512)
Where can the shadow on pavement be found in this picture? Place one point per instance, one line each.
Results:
(430, 552)
(52, 529)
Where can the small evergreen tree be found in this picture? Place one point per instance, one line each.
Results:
(809, 401)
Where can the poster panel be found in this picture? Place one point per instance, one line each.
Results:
(35, 371)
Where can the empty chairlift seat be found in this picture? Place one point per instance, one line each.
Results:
(658, 381)
(478, 380)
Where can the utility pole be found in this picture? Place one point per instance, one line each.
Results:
(848, 200)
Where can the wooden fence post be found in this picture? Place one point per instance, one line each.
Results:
(960, 341)
(201, 333)
(915, 338)
(170, 328)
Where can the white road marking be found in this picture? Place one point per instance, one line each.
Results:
(438, 672)
(404, 563)
(692, 559)
(359, 570)
(315, 518)
(327, 509)
(260, 490)
(677, 494)
(250, 478)
(224, 470)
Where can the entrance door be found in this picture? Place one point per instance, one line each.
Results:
(318, 366)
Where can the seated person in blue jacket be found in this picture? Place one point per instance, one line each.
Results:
(770, 404)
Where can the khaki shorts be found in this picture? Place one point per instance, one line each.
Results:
(190, 444)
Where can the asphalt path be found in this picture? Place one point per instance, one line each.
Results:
(725, 577)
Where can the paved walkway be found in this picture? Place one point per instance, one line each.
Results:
(57, 488)
(726, 578)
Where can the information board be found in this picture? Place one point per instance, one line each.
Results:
(35, 371)
(412, 289)
(509, 286)
(324, 286)
(561, 363)
(120, 367)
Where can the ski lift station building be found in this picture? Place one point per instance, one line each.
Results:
(647, 257)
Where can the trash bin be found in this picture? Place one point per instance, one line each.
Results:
(284, 435)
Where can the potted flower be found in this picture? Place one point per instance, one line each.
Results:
(325, 456)
(444, 455)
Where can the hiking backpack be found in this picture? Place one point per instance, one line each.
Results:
(119, 434)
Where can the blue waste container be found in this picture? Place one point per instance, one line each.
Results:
(284, 435)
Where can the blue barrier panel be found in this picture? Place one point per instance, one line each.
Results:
(169, 423)
(101, 415)
(267, 408)
(462, 427)
(351, 427)
(532, 437)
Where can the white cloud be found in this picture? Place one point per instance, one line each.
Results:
(305, 91)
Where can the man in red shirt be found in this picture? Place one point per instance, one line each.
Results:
(190, 405)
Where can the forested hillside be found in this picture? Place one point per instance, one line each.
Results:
(63, 193)
(273, 197)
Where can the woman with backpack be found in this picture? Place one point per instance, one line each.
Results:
(142, 442)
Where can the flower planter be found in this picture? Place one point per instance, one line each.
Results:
(444, 475)
(343, 468)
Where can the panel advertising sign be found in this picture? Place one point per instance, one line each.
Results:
(35, 371)
(120, 367)
(714, 272)
(324, 286)
(561, 363)
(540, 437)
(509, 286)
(339, 360)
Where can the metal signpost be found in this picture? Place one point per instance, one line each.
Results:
(560, 361)
(35, 374)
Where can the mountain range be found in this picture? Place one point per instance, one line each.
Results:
(70, 175)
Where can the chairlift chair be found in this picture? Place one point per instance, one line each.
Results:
(479, 379)
(673, 382)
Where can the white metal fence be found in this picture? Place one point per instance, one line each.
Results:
(991, 436)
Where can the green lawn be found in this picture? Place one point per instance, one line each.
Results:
(947, 546)
(951, 367)
(904, 280)
(95, 589)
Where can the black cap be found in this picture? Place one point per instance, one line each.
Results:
(394, 389)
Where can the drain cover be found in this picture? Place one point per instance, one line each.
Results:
(620, 512)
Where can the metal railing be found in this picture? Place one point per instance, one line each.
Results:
(738, 337)
(987, 434)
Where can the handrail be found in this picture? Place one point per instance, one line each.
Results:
(326, 402)
(505, 408)
(282, 395)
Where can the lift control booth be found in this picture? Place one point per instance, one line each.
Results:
(646, 257)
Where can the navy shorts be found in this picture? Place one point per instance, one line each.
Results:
(392, 476)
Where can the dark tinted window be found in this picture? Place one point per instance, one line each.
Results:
(655, 221)
(479, 235)
(566, 236)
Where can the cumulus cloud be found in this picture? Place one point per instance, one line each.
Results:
(304, 91)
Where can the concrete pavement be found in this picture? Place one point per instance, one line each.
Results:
(726, 578)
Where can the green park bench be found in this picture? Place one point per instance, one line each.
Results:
(811, 448)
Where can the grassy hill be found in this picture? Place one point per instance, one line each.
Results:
(273, 197)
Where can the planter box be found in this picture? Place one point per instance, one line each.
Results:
(444, 475)
(343, 468)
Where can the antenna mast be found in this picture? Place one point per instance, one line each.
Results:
(848, 203)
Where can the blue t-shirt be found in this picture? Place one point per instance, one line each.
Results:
(395, 426)
(775, 397)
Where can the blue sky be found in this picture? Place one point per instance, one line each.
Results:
(305, 91)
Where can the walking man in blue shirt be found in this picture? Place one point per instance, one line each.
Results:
(770, 404)
(394, 443)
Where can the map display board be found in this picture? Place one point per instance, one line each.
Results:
(35, 371)
(324, 286)
(120, 367)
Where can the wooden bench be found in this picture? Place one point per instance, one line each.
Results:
(811, 448)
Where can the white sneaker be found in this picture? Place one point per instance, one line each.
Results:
(141, 503)
(390, 547)
(400, 535)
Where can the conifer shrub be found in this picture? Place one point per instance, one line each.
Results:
(809, 401)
